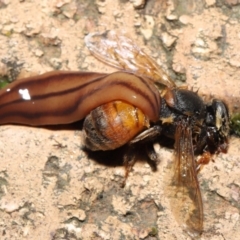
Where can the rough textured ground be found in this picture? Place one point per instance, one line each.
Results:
(52, 191)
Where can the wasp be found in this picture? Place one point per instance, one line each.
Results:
(138, 104)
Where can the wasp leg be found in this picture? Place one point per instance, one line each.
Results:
(129, 161)
(147, 136)
(152, 159)
(203, 160)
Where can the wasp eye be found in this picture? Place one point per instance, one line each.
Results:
(221, 117)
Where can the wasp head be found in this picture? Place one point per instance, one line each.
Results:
(217, 127)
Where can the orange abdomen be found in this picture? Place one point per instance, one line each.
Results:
(112, 125)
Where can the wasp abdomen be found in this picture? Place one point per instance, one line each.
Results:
(112, 125)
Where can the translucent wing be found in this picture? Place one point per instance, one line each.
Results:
(120, 52)
(183, 190)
